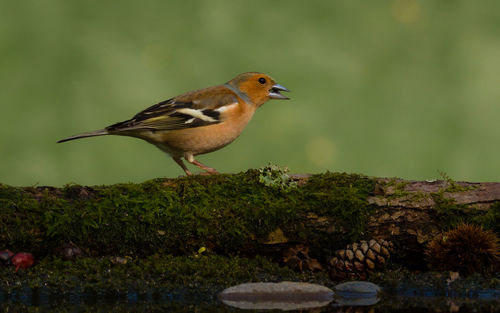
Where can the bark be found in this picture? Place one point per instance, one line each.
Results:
(411, 213)
(408, 212)
(411, 210)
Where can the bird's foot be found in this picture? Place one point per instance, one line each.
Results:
(208, 170)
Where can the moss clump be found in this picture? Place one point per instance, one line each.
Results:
(221, 212)
(448, 212)
(491, 220)
(453, 186)
(343, 198)
(397, 187)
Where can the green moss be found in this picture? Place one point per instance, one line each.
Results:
(19, 218)
(343, 198)
(399, 188)
(205, 274)
(490, 220)
(453, 186)
(450, 213)
(222, 212)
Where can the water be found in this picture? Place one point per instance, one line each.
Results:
(38, 300)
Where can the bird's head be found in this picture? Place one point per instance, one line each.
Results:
(258, 87)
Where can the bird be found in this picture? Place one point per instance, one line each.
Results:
(199, 121)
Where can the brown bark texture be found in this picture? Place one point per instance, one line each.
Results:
(412, 213)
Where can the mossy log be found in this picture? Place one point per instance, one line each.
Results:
(245, 214)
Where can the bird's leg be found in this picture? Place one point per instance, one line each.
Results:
(181, 164)
(190, 158)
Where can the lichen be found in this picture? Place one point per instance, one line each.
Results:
(277, 177)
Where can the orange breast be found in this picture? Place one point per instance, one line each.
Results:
(206, 139)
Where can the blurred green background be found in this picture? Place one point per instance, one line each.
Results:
(387, 88)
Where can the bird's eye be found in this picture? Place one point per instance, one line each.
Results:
(262, 80)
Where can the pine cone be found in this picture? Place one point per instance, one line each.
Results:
(358, 260)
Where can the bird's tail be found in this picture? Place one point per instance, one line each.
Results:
(99, 132)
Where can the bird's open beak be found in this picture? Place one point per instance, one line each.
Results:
(274, 93)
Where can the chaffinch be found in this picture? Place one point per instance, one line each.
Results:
(199, 121)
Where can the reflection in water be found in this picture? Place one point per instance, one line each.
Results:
(27, 301)
(104, 306)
